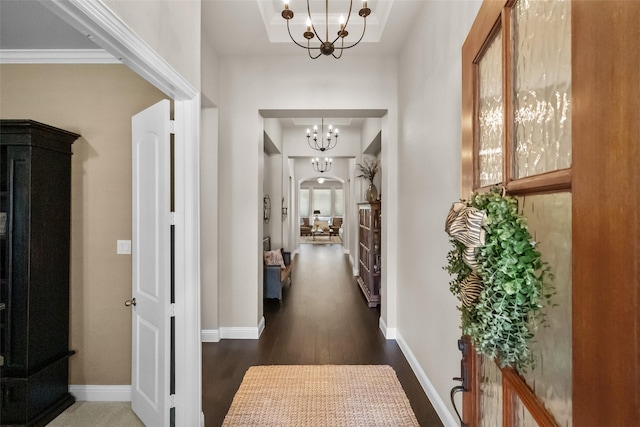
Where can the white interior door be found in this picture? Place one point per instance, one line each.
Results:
(151, 256)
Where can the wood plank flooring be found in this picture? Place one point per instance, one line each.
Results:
(323, 319)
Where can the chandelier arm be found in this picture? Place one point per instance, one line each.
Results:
(315, 141)
(296, 42)
(345, 27)
(334, 141)
(313, 27)
(359, 40)
(349, 15)
(313, 57)
(341, 49)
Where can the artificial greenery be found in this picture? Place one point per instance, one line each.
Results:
(517, 288)
(368, 170)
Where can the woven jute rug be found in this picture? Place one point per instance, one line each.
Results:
(320, 240)
(320, 395)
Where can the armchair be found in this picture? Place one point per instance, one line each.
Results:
(305, 228)
(336, 224)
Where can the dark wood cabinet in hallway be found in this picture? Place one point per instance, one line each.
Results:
(323, 319)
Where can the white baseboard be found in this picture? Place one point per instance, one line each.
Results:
(389, 333)
(234, 333)
(101, 393)
(447, 418)
(261, 325)
(210, 335)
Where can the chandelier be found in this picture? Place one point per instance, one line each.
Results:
(319, 144)
(321, 166)
(326, 46)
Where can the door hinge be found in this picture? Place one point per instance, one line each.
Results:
(173, 218)
(172, 401)
(172, 310)
(172, 127)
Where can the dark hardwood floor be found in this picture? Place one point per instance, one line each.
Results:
(323, 319)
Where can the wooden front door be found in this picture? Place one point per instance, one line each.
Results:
(598, 180)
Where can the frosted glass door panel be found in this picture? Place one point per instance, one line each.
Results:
(490, 114)
(523, 417)
(549, 222)
(490, 393)
(542, 86)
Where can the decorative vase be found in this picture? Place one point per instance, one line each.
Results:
(372, 193)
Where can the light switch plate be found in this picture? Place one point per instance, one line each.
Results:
(124, 247)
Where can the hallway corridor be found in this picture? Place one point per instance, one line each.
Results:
(323, 319)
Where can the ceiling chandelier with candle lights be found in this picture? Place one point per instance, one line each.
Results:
(321, 144)
(326, 46)
(321, 166)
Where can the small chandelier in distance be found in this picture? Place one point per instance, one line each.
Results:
(320, 166)
(332, 138)
(326, 47)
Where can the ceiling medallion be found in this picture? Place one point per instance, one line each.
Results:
(322, 144)
(326, 46)
(321, 166)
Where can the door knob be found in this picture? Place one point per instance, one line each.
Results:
(130, 302)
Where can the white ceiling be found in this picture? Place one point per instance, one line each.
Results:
(256, 27)
(27, 24)
(233, 27)
(239, 27)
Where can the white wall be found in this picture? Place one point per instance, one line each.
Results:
(429, 96)
(209, 218)
(210, 78)
(170, 27)
(273, 128)
(247, 86)
(209, 187)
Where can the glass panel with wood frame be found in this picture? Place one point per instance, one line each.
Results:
(490, 393)
(549, 222)
(522, 416)
(490, 114)
(534, 71)
(541, 64)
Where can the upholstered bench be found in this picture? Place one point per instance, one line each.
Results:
(275, 276)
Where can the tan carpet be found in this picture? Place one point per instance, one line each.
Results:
(320, 395)
(320, 240)
(97, 414)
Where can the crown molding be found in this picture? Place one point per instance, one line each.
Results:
(56, 56)
(95, 20)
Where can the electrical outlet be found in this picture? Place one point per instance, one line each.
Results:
(124, 247)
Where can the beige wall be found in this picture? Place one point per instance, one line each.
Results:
(96, 101)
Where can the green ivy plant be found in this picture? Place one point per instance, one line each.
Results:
(517, 284)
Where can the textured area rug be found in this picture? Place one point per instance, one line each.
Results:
(320, 395)
(320, 240)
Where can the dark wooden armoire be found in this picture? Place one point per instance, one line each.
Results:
(35, 229)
